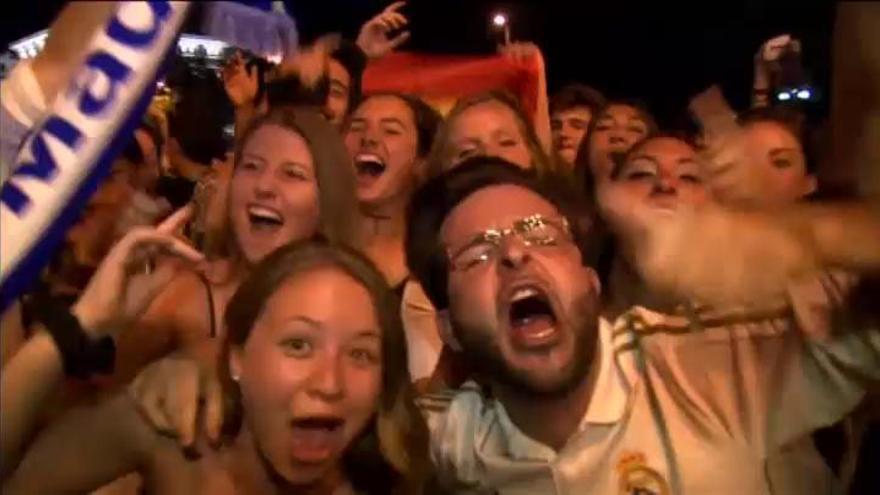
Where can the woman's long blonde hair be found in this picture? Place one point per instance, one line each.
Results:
(442, 153)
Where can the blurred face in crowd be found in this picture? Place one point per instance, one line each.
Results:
(526, 314)
(489, 128)
(781, 157)
(660, 176)
(273, 195)
(569, 128)
(383, 141)
(615, 131)
(93, 235)
(310, 373)
(661, 173)
(336, 107)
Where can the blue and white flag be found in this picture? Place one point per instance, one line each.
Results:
(69, 154)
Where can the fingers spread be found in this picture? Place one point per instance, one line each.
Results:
(148, 397)
(394, 7)
(397, 20)
(183, 404)
(213, 408)
(399, 39)
(176, 221)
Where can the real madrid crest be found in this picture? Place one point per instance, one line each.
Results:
(637, 478)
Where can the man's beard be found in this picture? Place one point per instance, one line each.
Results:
(481, 350)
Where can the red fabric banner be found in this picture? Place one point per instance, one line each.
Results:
(441, 79)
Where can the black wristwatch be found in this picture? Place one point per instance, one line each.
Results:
(82, 355)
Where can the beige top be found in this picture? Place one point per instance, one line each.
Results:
(701, 404)
(422, 325)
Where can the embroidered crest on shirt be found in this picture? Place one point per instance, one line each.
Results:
(637, 478)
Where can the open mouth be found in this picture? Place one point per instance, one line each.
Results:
(316, 438)
(369, 166)
(265, 218)
(326, 423)
(532, 318)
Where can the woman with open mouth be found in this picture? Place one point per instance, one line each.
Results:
(389, 137)
(291, 180)
(313, 365)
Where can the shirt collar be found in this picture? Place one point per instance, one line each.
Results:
(609, 401)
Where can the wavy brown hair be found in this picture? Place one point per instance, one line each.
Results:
(391, 455)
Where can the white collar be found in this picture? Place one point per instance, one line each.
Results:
(609, 401)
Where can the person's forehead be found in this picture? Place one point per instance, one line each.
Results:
(772, 133)
(483, 119)
(385, 106)
(573, 112)
(496, 206)
(276, 141)
(307, 293)
(622, 112)
(666, 147)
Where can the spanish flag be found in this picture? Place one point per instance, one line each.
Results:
(441, 79)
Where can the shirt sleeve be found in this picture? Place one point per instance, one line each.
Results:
(839, 358)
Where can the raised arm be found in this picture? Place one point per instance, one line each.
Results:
(79, 342)
(84, 450)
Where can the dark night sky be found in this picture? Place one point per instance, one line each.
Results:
(661, 53)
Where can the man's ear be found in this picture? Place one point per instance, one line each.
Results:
(444, 325)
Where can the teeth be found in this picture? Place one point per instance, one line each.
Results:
(523, 293)
(264, 213)
(369, 157)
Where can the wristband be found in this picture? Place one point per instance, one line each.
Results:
(82, 356)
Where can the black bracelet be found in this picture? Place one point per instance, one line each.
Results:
(82, 356)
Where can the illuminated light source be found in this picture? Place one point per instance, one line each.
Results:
(804, 94)
(783, 96)
(499, 20)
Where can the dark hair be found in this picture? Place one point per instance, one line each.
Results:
(576, 95)
(426, 256)
(583, 172)
(350, 56)
(441, 154)
(426, 118)
(337, 200)
(200, 115)
(391, 456)
(793, 121)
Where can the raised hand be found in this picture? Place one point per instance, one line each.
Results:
(767, 59)
(310, 63)
(373, 38)
(132, 274)
(169, 393)
(241, 83)
(521, 51)
(728, 159)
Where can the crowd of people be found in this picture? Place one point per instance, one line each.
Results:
(356, 293)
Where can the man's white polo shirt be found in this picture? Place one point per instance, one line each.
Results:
(700, 404)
